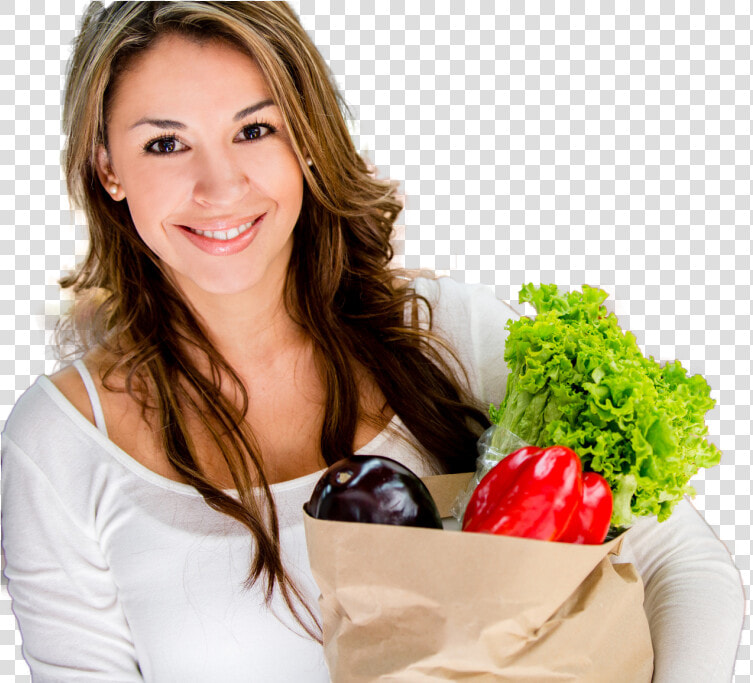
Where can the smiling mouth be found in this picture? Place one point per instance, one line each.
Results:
(224, 235)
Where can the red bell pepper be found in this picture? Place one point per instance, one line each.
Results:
(590, 522)
(541, 493)
(536, 499)
(496, 480)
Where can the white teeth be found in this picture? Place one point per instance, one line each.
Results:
(224, 235)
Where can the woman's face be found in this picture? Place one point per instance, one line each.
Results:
(196, 144)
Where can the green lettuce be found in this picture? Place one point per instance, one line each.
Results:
(576, 379)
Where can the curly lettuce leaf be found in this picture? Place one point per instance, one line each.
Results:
(578, 380)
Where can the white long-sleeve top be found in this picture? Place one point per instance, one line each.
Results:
(118, 574)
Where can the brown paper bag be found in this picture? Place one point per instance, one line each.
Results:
(416, 605)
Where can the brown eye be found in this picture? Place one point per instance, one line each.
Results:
(252, 132)
(255, 131)
(166, 145)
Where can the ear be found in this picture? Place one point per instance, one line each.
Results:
(107, 176)
(306, 157)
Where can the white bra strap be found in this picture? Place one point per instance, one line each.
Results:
(99, 416)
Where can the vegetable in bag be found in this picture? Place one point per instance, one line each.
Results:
(577, 380)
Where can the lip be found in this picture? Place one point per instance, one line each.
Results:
(224, 247)
(223, 225)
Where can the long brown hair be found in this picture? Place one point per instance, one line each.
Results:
(339, 287)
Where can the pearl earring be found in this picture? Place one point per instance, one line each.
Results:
(309, 161)
(113, 189)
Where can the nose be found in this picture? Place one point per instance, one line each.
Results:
(219, 179)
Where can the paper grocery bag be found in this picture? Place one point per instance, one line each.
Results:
(416, 605)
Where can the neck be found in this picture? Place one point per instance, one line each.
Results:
(249, 329)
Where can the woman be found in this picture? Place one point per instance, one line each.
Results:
(241, 329)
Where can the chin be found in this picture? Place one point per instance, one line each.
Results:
(226, 288)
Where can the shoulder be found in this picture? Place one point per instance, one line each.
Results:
(461, 304)
(473, 321)
(46, 432)
(38, 425)
(68, 381)
(447, 290)
(41, 411)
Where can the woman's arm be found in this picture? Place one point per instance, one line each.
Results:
(694, 598)
(64, 600)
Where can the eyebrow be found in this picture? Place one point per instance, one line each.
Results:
(170, 123)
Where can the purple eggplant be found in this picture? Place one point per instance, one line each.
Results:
(375, 490)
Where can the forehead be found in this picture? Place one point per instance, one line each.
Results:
(177, 71)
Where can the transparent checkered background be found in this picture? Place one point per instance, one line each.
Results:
(596, 142)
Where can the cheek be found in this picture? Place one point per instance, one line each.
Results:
(294, 194)
(283, 180)
(150, 200)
